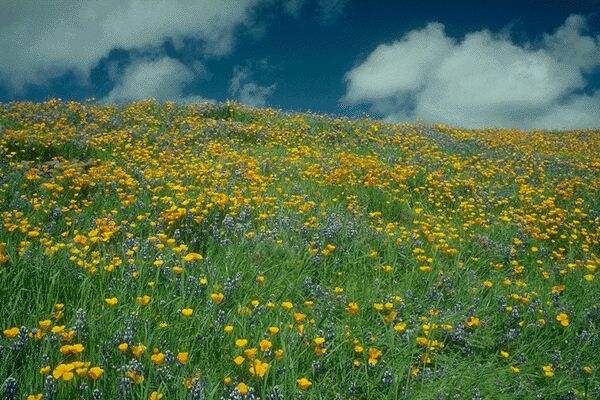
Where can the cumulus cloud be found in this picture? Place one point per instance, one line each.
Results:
(482, 80)
(44, 39)
(162, 79)
(246, 91)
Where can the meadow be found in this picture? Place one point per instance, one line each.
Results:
(216, 251)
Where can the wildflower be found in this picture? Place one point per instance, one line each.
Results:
(472, 322)
(241, 343)
(563, 319)
(187, 312)
(303, 383)
(228, 329)
(548, 371)
(45, 324)
(144, 300)
(138, 350)
(400, 327)
(374, 355)
(157, 358)
(182, 357)
(63, 371)
(95, 373)
(265, 345)
(11, 388)
(11, 332)
(72, 349)
(352, 308)
(242, 388)
(217, 297)
(239, 360)
(273, 330)
(111, 301)
(259, 368)
(192, 257)
(155, 395)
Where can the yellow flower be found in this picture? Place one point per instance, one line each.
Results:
(111, 301)
(563, 319)
(273, 330)
(352, 308)
(265, 345)
(63, 371)
(138, 350)
(123, 347)
(400, 327)
(259, 368)
(192, 257)
(241, 343)
(374, 355)
(217, 297)
(250, 353)
(239, 360)
(144, 300)
(182, 357)
(11, 332)
(38, 396)
(515, 370)
(472, 322)
(303, 383)
(156, 396)
(95, 373)
(45, 324)
(228, 329)
(548, 371)
(72, 349)
(242, 388)
(187, 312)
(157, 358)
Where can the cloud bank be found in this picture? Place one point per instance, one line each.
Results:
(45, 39)
(247, 91)
(482, 80)
(162, 79)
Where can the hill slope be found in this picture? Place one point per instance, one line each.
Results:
(217, 250)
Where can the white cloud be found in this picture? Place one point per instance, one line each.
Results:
(482, 80)
(42, 39)
(246, 91)
(162, 79)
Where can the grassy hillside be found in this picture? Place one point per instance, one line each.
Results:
(217, 251)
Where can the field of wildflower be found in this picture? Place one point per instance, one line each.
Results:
(215, 251)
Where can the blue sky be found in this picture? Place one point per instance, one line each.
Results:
(525, 64)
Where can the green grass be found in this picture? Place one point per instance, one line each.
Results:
(256, 213)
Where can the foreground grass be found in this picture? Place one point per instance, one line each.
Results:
(215, 251)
